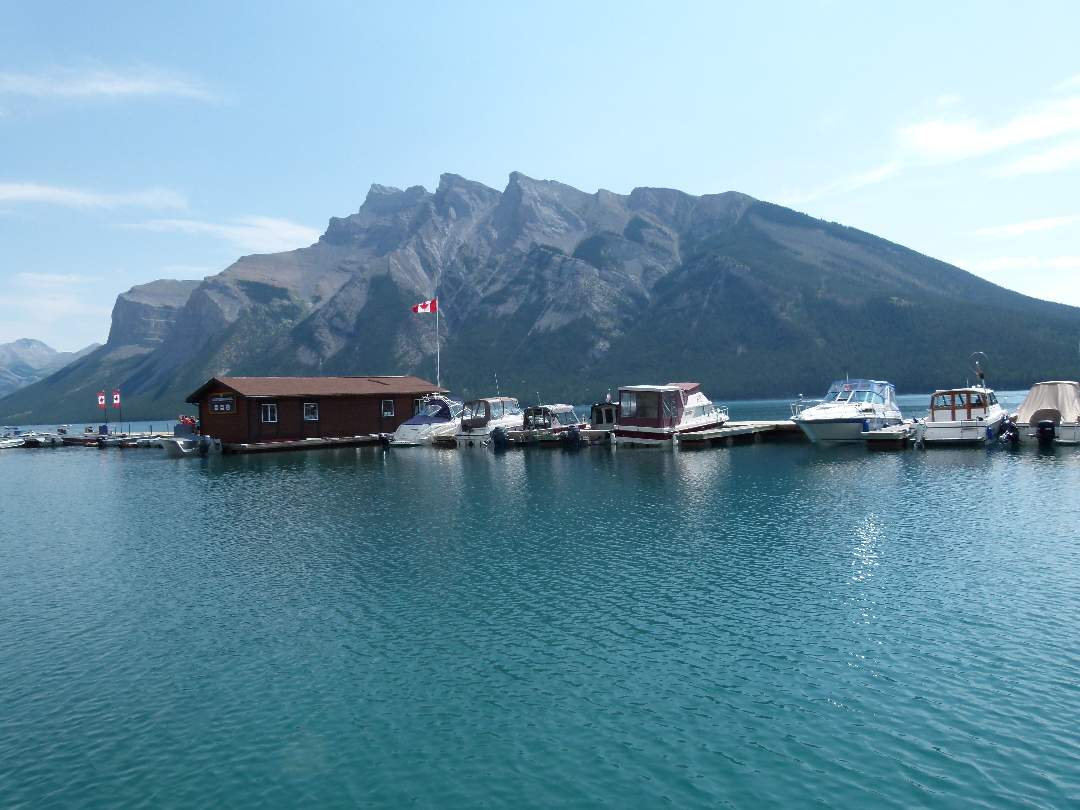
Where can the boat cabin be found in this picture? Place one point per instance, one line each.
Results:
(478, 412)
(604, 415)
(250, 410)
(656, 406)
(960, 404)
(550, 417)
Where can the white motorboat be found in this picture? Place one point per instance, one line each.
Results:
(438, 416)
(961, 416)
(9, 442)
(850, 408)
(482, 416)
(1049, 413)
(188, 446)
(657, 415)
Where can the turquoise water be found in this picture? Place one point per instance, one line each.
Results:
(765, 625)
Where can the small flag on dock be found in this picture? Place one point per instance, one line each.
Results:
(116, 399)
(101, 399)
(427, 306)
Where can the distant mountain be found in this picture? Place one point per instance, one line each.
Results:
(26, 361)
(569, 294)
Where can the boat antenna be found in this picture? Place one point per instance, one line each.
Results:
(538, 398)
(497, 385)
(978, 364)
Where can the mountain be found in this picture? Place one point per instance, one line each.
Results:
(26, 361)
(568, 294)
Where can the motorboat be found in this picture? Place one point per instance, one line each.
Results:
(850, 408)
(480, 417)
(657, 415)
(10, 442)
(961, 416)
(545, 425)
(438, 416)
(190, 446)
(1050, 414)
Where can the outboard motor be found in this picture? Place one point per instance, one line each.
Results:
(1009, 433)
(572, 438)
(499, 438)
(1044, 433)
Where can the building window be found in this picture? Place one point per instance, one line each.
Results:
(388, 407)
(269, 412)
(311, 411)
(416, 406)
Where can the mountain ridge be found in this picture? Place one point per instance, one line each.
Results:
(569, 293)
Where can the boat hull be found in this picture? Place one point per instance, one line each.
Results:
(845, 429)
(967, 431)
(420, 435)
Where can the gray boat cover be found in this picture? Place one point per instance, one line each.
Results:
(1057, 401)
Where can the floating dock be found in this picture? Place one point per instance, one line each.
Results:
(743, 432)
(302, 444)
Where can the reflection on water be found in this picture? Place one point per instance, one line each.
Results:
(761, 625)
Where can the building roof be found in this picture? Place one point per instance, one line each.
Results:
(316, 386)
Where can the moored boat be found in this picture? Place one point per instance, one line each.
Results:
(961, 416)
(190, 446)
(657, 415)
(1049, 414)
(481, 417)
(849, 408)
(545, 425)
(439, 417)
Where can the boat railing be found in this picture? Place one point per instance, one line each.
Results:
(801, 405)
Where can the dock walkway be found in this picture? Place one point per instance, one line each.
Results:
(741, 432)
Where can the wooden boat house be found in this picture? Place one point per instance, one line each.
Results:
(250, 410)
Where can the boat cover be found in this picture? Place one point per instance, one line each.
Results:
(1057, 401)
(436, 411)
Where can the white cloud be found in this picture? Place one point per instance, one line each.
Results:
(50, 306)
(1023, 228)
(254, 234)
(68, 83)
(943, 141)
(877, 175)
(1060, 157)
(32, 192)
(1073, 82)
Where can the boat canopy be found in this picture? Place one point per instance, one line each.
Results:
(1058, 401)
(436, 410)
(878, 391)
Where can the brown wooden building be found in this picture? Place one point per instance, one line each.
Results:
(247, 410)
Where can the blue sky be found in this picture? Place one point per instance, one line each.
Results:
(145, 141)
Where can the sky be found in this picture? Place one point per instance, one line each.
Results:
(146, 141)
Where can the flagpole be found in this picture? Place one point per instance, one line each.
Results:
(438, 368)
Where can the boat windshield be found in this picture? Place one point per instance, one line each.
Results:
(567, 418)
(874, 391)
(475, 409)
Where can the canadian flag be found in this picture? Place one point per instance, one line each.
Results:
(427, 306)
(101, 399)
(116, 399)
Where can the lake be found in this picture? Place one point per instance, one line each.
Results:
(762, 625)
